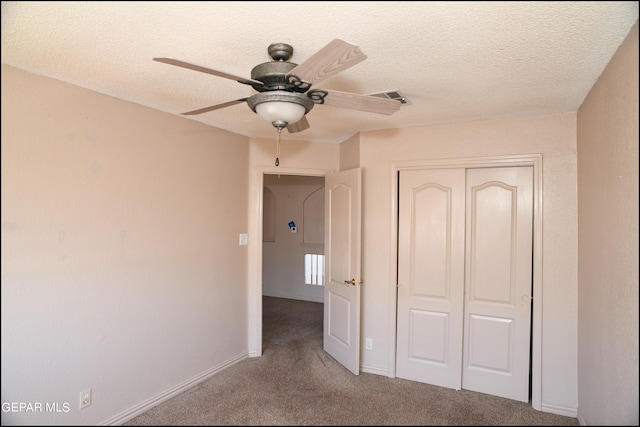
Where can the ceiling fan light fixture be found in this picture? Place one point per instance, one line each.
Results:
(285, 97)
(280, 108)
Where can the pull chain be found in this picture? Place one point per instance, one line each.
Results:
(278, 150)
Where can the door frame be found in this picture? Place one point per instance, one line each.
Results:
(254, 255)
(534, 160)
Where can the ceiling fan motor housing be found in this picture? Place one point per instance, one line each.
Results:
(274, 74)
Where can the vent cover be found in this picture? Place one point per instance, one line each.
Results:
(394, 94)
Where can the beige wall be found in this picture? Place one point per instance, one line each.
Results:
(608, 249)
(552, 136)
(350, 153)
(121, 268)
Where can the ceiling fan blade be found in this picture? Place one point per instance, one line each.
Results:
(183, 64)
(336, 56)
(215, 107)
(371, 104)
(299, 126)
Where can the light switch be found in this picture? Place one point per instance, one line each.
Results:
(244, 239)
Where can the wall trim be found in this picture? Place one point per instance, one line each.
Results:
(534, 160)
(293, 296)
(560, 410)
(136, 410)
(374, 370)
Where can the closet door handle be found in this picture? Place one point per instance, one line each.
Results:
(351, 282)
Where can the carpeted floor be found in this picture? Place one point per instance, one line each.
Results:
(296, 383)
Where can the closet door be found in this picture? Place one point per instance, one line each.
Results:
(430, 276)
(464, 278)
(499, 254)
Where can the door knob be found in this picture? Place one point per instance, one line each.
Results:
(351, 282)
(525, 300)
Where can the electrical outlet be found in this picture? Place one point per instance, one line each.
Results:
(368, 344)
(85, 398)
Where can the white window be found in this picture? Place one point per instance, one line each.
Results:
(314, 269)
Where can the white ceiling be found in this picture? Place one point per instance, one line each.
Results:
(454, 60)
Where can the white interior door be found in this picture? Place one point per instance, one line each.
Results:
(431, 276)
(341, 336)
(465, 232)
(499, 252)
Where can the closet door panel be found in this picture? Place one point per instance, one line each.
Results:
(498, 281)
(431, 276)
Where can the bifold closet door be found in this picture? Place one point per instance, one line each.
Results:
(464, 278)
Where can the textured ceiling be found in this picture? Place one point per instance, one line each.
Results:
(454, 61)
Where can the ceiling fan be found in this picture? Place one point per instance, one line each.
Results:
(284, 89)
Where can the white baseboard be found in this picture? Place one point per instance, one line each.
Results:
(559, 410)
(293, 296)
(374, 370)
(133, 412)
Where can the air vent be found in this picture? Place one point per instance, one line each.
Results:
(394, 94)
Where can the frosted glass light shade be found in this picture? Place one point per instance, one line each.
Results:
(279, 107)
(280, 111)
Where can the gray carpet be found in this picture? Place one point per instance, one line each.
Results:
(296, 383)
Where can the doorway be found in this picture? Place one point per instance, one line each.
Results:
(293, 237)
(255, 249)
(336, 232)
